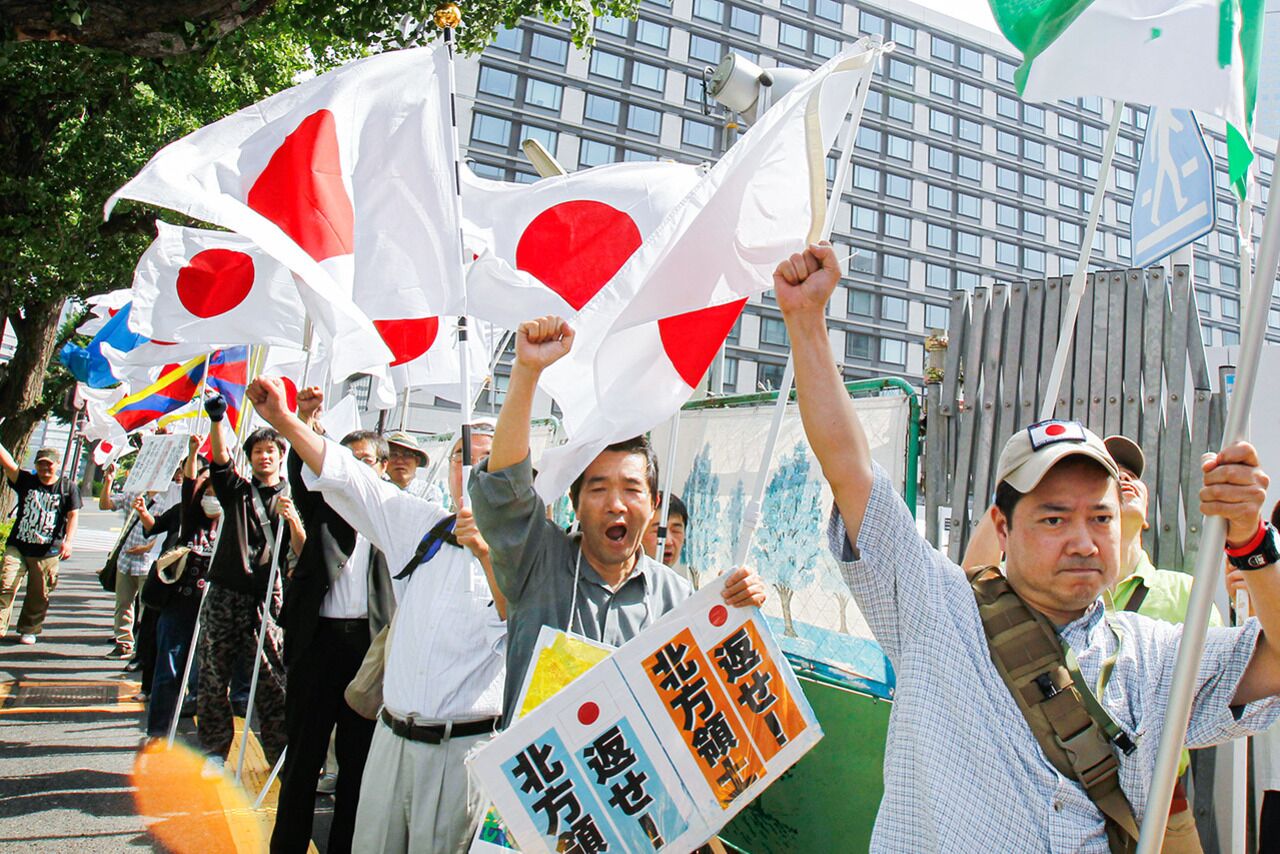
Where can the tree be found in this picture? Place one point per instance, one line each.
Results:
(702, 532)
(831, 580)
(788, 545)
(734, 516)
(77, 122)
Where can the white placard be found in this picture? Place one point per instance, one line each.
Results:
(156, 463)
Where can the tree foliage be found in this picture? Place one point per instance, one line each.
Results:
(788, 546)
(89, 91)
(702, 533)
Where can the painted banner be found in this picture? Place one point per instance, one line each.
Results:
(658, 746)
(156, 463)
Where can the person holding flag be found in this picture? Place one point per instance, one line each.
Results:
(236, 605)
(1058, 523)
(599, 584)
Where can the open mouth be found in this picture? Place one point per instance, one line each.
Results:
(616, 533)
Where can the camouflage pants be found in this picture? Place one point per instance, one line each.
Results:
(229, 631)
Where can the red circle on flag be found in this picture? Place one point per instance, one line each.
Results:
(575, 248)
(588, 713)
(1054, 430)
(215, 281)
(408, 338)
(691, 340)
(719, 614)
(105, 446)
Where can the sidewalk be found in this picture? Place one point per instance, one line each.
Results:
(70, 730)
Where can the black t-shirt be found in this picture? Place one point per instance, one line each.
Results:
(41, 522)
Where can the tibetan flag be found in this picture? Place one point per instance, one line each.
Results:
(1198, 55)
(228, 376)
(174, 389)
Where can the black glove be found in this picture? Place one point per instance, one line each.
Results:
(216, 406)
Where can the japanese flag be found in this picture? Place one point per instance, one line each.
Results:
(214, 288)
(650, 372)
(550, 247)
(113, 441)
(107, 451)
(103, 307)
(346, 177)
(425, 351)
(646, 340)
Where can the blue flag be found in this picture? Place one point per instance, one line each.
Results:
(88, 365)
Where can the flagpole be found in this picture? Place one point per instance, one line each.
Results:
(1078, 276)
(204, 377)
(262, 638)
(672, 443)
(751, 514)
(1213, 538)
(447, 18)
(404, 409)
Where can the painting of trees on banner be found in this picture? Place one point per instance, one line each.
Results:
(810, 608)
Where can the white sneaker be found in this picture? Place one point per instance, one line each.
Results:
(328, 784)
(28, 640)
(214, 767)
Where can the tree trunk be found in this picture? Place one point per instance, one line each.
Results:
(784, 596)
(694, 575)
(844, 620)
(22, 390)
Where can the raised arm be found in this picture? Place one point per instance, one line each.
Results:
(191, 466)
(104, 497)
(9, 464)
(802, 285)
(216, 406)
(269, 401)
(539, 343)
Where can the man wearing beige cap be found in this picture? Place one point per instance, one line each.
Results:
(45, 523)
(966, 767)
(407, 457)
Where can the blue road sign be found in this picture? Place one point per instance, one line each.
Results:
(1173, 203)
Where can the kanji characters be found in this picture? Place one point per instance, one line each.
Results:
(714, 739)
(629, 795)
(609, 755)
(737, 656)
(755, 694)
(583, 837)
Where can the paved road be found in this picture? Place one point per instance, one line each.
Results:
(69, 729)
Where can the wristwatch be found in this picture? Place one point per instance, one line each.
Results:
(1262, 550)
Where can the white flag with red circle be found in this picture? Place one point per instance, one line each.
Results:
(551, 246)
(346, 177)
(425, 354)
(214, 288)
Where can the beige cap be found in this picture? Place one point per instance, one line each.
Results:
(1126, 453)
(1031, 452)
(49, 454)
(401, 439)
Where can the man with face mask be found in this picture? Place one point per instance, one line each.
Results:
(442, 687)
(599, 584)
(338, 598)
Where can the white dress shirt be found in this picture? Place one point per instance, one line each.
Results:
(348, 596)
(448, 646)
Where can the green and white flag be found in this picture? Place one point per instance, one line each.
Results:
(1197, 54)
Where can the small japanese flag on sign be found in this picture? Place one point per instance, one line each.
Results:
(1049, 432)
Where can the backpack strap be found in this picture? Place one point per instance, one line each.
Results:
(1139, 595)
(430, 544)
(1028, 654)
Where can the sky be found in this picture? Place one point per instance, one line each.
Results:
(976, 12)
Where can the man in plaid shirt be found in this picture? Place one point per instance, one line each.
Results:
(963, 771)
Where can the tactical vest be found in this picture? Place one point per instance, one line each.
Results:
(1067, 721)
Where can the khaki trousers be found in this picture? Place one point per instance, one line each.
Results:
(42, 577)
(414, 797)
(127, 589)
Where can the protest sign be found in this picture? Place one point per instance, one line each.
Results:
(157, 461)
(658, 746)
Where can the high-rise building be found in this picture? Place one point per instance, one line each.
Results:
(1267, 118)
(956, 181)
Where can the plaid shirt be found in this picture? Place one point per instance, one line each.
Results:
(962, 771)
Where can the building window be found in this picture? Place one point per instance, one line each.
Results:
(541, 93)
(1006, 216)
(936, 316)
(705, 49)
(970, 95)
(549, 49)
(1069, 233)
(897, 227)
(897, 186)
(1006, 253)
(870, 24)
(546, 136)
(967, 280)
(709, 10)
(940, 122)
(1007, 143)
(968, 244)
(902, 72)
(968, 206)
(863, 219)
(613, 26)
(893, 351)
(867, 138)
(866, 178)
(790, 35)
(941, 85)
(1005, 70)
(832, 10)
(698, 134)
(904, 35)
(768, 376)
(1007, 179)
(937, 276)
(969, 131)
(693, 89)
(898, 147)
(501, 84)
(605, 64)
(729, 379)
(901, 109)
(1033, 115)
(1033, 260)
(745, 20)
(895, 267)
(601, 109)
(939, 198)
(858, 345)
(653, 34)
(863, 261)
(893, 309)
(594, 153)
(861, 303)
(969, 168)
(490, 129)
(508, 39)
(971, 59)
(1068, 128)
(644, 120)
(938, 237)
(1007, 107)
(1033, 223)
(940, 159)
(825, 46)
(942, 49)
(649, 76)
(773, 331)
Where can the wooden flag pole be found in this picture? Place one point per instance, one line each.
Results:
(751, 514)
(1209, 559)
(672, 443)
(1081, 272)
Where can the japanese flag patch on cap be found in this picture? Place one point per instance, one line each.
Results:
(1047, 432)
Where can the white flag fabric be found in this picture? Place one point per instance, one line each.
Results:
(214, 288)
(112, 440)
(645, 341)
(549, 247)
(143, 365)
(426, 354)
(346, 177)
(103, 307)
